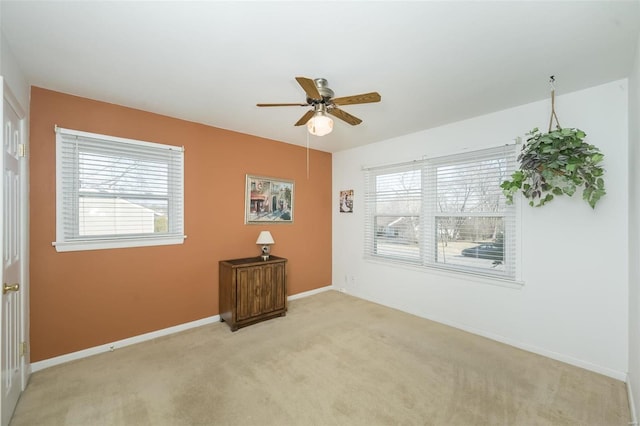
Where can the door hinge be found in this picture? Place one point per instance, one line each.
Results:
(23, 348)
(22, 150)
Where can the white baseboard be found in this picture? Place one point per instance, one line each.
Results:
(618, 375)
(632, 404)
(109, 347)
(615, 374)
(310, 292)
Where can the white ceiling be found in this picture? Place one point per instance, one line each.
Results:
(211, 62)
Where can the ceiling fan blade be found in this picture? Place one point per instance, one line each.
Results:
(275, 105)
(364, 98)
(309, 87)
(345, 116)
(303, 120)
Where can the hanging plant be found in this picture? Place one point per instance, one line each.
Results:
(556, 163)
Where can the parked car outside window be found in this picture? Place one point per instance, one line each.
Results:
(489, 251)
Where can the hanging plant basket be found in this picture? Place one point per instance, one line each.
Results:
(556, 163)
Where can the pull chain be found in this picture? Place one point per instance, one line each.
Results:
(307, 154)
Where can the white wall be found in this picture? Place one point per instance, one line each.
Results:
(573, 304)
(634, 228)
(13, 75)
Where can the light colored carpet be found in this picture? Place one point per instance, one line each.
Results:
(333, 360)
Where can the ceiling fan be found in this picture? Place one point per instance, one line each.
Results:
(320, 97)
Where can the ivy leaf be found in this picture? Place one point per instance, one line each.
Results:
(569, 190)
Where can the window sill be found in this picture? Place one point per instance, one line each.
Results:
(113, 244)
(454, 274)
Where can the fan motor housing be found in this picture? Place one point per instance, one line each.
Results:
(326, 93)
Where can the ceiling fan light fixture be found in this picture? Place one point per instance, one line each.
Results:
(320, 124)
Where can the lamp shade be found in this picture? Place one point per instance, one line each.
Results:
(265, 238)
(320, 124)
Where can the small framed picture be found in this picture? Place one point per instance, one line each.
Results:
(346, 201)
(268, 200)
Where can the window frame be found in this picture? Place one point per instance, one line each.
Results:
(69, 238)
(429, 215)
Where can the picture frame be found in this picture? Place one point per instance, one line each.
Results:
(346, 201)
(268, 200)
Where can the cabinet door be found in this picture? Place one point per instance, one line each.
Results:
(273, 287)
(268, 288)
(279, 286)
(249, 283)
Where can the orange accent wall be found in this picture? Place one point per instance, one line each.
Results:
(88, 298)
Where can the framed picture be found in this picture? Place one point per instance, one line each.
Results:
(346, 201)
(268, 200)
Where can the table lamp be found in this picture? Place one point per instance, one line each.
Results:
(265, 239)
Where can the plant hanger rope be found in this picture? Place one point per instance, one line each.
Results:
(552, 80)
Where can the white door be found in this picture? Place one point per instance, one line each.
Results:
(12, 237)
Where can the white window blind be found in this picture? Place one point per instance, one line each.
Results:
(115, 192)
(393, 205)
(446, 212)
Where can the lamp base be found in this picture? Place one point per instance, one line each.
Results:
(266, 251)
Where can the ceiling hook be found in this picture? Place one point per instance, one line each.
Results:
(552, 80)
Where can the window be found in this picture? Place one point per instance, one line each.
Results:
(114, 192)
(394, 205)
(447, 212)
